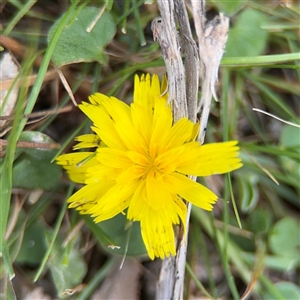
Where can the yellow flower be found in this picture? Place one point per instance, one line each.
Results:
(141, 163)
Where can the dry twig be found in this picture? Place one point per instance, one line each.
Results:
(183, 89)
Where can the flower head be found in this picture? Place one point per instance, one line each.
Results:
(141, 163)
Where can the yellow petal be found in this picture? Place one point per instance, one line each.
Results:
(138, 158)
(71, 162)
(142, 92)
(215, 158)
(137, 205)
(121, 114)
(146, 90)
(142, 122)
(97, 99)
(87, 141)
(112, 212)
(129, 136)
(162, 122)
(113, 201)
(181, 210)
(113, 158)
(116, 109)
(158, 234)
(130, 174)
(86, 197)
(168, 161)
(158, 197)
(108, 134)
(191, 191)
(182, 131)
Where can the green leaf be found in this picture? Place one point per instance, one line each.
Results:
(77, 43)
(33, 246)
(284, 238)
(247, 38)
(67, 266)
(33, 168)
(259, 221)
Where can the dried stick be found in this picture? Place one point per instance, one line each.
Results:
(191, 64)
(212, 38)
(165, 34)
(183, 88)
(189, 49)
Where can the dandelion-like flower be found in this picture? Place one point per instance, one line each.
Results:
(141, 163)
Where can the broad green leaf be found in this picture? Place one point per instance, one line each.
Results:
(284, 238)
(34, 245)
(84, 39)
(259, 221)
(247, 38)
(32, 167)
(67, 266)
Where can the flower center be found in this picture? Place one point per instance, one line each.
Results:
(152, 167)
(146, 164)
